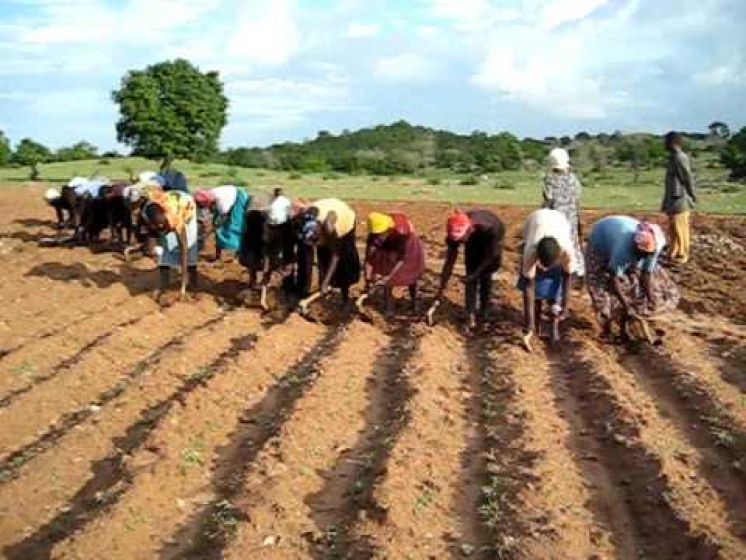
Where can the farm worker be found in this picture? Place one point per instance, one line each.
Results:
(679, 197)
(625, 280)
(279, 236)
(61, 205)
(328, 225)
(227, 204)
(562, 190)
(85, 191)
(135, 196)
(546, 265)
(252, 252)
(482, 233)
(172, 217)
(394, 256)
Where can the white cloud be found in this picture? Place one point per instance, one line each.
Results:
(722, 75)
(554, 14)
(406, 67)
(356, 30)
(266, 33)
(267, 102)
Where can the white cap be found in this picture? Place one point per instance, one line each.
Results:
(559, 159)
(51, 194)
(131, 193)
(77, 182)
(147, 176)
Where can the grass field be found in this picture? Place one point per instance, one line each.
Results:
(614, 189)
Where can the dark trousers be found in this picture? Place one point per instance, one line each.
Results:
(478, 295)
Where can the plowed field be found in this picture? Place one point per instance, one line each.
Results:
(205, 429)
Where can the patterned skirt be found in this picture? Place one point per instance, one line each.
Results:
(607, 304)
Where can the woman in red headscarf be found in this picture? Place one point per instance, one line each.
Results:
(481, 233)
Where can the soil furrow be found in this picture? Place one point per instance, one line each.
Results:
(99, 370)
(431, 486)
(506, 471)
(607, 502)
(183, 369)
(111, 475)
(347, 500)
(707, 424)
(38, 358)
(660, 532)
(30, 333)
(660, 442)
(208, 532)
(172, 480)
(12, 462)
(560, 507)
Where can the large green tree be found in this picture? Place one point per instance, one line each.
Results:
(734, 155)
(78, 151)
(170, 110)
(31, 153)
(5, 151)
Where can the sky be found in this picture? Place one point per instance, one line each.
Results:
(294, 67)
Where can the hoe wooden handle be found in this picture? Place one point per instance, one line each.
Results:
(431, 312)
(303, 305)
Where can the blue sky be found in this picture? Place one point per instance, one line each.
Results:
(293, 67)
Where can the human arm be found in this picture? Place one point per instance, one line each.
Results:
(184, 254)
(685, 175)
(616, 288)
(333, 264)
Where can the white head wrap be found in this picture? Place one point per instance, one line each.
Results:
(77, 182)
(51, 194)
(147, 176)
(559, 159)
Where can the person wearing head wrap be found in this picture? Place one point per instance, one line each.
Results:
(625, 278)
(171, 217)
(54, 198)
(562, 190)
(394, 256)
(252, 252)
(328, 228)
(481, 233)
(227, 206)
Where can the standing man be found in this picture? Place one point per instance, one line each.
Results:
(481, 233)
(678, 198)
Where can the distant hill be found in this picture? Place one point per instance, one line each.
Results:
(403, 148)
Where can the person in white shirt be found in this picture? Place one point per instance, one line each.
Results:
(280, 246)
(547, 263)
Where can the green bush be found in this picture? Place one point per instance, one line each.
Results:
(434, 181)
(469, 181)
(503, 185)
(295, 176)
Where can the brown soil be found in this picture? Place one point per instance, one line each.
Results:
(205, 429)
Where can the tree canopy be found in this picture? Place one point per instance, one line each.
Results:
(78, 151)
(5, 151)
(171, 109)
(734, 155)
(30, 152)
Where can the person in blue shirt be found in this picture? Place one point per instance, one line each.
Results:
(625, 279)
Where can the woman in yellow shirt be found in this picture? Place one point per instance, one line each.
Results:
(328, 225)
